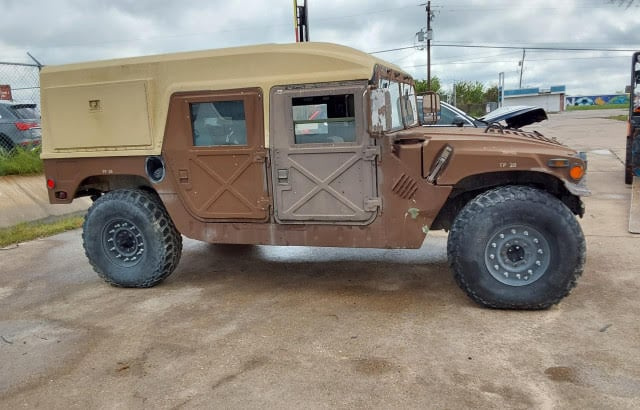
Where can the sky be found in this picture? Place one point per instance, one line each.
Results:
(66, 31)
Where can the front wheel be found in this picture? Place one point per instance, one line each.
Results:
(130, 239)
(516, 247)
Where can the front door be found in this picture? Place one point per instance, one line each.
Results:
(324, 162)
(214, 143)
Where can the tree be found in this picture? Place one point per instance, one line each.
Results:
(468, 92)
(421, 87)
(491, 94)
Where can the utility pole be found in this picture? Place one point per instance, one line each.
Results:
(521, 67)
(501, 89)
(301, 21)
(429, 35)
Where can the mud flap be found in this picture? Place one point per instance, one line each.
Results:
(634, 210)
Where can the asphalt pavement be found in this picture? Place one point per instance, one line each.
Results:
(296, 327)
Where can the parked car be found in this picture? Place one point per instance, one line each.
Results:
(510, 117)
(19, 125)
(515, 117)
(450, 116)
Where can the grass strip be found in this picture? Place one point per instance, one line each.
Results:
(28, 231)
(20, 161)
(623, 117)
(597, 107)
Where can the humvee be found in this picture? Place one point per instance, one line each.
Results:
(307, 144)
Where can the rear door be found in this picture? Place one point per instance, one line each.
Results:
(214, 143)
(324, 162)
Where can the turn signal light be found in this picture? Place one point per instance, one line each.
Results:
(576, 172)
(51, 183)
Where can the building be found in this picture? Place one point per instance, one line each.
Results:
(551, 99)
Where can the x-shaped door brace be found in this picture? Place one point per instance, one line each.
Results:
(227, 185)
(323, 185)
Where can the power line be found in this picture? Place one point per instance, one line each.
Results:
(512, 61)
(548, 48)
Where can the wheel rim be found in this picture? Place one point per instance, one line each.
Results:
(517, 255)
(123, 242)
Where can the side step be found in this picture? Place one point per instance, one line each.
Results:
(634, 210)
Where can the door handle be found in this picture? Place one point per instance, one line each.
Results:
(283, 176)
(183, 176)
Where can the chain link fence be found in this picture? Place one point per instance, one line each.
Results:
(19, 106)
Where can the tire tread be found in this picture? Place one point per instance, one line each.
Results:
(162, 224)
(496, 197)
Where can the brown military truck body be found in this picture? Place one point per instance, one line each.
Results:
(277, 145)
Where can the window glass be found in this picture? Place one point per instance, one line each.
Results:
(218, 123)
(409, 104)
(25, 111)
(446, 116)
(326, 119)
(394, 91)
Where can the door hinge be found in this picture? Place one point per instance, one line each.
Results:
(372, 204)
(370, 153)
(260, 156)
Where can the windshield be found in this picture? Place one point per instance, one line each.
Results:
(404, 112)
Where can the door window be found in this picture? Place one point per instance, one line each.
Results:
(218, 123)
(326, 119)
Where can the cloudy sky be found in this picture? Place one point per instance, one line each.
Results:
(65, 31)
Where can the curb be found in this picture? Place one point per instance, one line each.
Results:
(25, 199)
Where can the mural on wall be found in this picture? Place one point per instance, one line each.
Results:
(598, 99)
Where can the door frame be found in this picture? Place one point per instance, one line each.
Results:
(182, 154)
(364, 151)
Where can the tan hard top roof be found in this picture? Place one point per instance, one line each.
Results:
(153, 79)
(255, 53)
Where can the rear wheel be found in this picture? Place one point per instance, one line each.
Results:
(130, 239)
(516, 247)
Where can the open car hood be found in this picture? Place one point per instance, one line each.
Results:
(516, 116)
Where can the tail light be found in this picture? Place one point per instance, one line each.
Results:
(51, 184)
(25, 126)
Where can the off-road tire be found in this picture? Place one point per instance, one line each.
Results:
(130, 239)
(525, 233)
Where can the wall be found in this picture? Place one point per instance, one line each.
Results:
(550, 102)
(600, 99)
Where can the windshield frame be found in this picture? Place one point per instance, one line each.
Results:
(404, 110)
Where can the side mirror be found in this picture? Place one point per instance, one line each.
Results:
(380, 109)
(431, 107)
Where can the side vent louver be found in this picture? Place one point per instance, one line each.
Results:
(405, 187)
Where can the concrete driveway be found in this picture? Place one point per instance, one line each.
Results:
(275, 327)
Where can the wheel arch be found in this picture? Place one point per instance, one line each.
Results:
(97, 185)
(473, 185)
